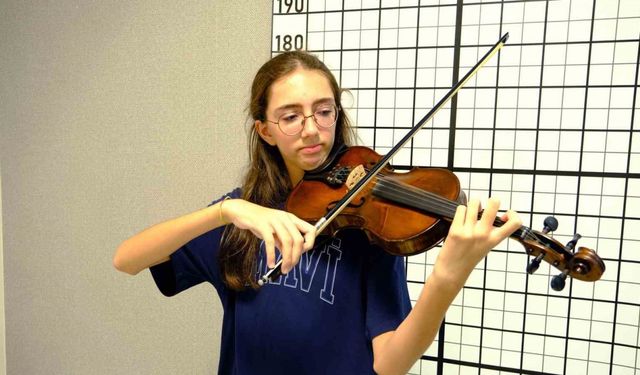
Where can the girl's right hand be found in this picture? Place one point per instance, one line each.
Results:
(290, 234)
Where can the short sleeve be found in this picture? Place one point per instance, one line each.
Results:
(193, 263)
(387, 301)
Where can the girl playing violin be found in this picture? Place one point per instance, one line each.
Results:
(341, 306)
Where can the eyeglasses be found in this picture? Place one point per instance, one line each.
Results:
(292, 123)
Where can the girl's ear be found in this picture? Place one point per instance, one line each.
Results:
(264, 132)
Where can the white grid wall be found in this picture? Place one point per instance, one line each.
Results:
(550, 126)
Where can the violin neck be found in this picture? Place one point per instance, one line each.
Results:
(424, 201)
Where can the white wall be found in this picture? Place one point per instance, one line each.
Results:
(3, 351)
(115, 116)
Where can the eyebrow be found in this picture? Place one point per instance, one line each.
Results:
(296, 106)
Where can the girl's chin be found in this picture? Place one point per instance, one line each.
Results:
(309, 162)
(313, 162)
(310, 166)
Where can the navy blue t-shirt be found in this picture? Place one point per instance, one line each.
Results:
(320, 318)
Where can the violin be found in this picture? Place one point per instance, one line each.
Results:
(408, 213)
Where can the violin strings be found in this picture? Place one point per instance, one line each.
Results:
(410, 195)
(451, 205)
(431, 202)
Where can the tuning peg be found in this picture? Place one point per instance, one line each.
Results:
(534, 264)
(558, 281)
(550, 224)
(572, 244)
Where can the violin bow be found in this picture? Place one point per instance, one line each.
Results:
(324, 221)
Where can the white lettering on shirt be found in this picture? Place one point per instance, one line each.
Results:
(303, 275)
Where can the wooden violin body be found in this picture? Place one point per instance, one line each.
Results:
(399, 230)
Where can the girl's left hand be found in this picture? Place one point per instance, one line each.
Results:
(470, 239)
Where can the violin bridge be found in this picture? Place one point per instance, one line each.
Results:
(355, 176)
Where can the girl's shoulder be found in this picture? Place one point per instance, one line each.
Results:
(233, 194)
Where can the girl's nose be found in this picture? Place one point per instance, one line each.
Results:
(309, 126)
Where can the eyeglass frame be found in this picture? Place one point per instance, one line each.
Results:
(304, 121)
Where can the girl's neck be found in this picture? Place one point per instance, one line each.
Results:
(295, 177)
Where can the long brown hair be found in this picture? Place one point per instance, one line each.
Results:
(267, 181)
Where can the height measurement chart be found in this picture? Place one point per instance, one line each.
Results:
(550, 125)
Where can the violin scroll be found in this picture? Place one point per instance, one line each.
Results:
(583, 264)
